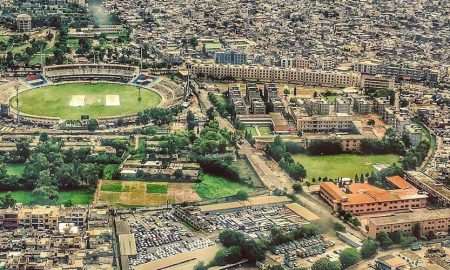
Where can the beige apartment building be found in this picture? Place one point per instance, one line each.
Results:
(324, 124)
(262, 73)
(429, 220)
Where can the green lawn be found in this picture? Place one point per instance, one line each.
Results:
(112, 186)
(15, 169)
(251, 130)
(73, 43)
(54, 100)
(155, 188)
(77, 197)
(344, 165)
(213, 187)
(330, 99)
(265, 130)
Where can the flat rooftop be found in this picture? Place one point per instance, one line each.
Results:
(416, 215)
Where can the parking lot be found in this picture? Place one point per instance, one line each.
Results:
(160, 236)
(254, 221)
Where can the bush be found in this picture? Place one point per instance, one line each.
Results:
(339, 227)
(241, 195)
(297, 187)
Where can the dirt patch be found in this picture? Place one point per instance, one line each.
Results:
(134, 193)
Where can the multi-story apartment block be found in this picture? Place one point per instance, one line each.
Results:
(381, 104)
(252, 92)
(396, 119)
(258, 107)
(414, 133)
(428, 220)
(362, 198)
(23, 23)
(262, 73)
(377, 82)
(342, 105)
(317, 106)
(270, 91)
(230, 57)
(234, 92)
(324, 124)
(239, 106)
(276, 105)
(361, 105)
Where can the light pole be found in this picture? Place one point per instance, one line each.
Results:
(17, 104)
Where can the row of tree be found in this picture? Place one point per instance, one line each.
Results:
(279, 152)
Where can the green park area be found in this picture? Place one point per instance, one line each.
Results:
(212, 187)
(15, 169)
(70, 101)
(343, 165)
(77, 197)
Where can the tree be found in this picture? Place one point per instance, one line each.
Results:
(369, 248)
(230, 238)
(416, 231)
(396, 236)
(356, 178)
(45, 195)
(200, 266)
(286, 92)
(297, 187)
(92, 125)
(326, 264)
(349, 257)
(190, 118)
(371, 122)
(7, 200)
(241, 195)
(193, 41)
(339, 227)
(384, 240)
(43, 137)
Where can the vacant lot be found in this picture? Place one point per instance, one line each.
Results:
(213, 187)
(142, 193)
(77, 197)
(344, 165)
(54, 101)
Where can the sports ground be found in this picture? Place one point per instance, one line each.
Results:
(71, 100)
(344, 165)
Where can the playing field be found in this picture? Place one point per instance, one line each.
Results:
(344, 165)
(70, 101)
(141, 193)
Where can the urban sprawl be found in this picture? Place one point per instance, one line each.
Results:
(208, 134)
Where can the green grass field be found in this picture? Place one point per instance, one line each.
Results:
(213, 187)
(112, 186)
(14, 169)
(344, 165)
(54, 100)
(156, 188)
(77, 197)
(265, 130)
(251, 130)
